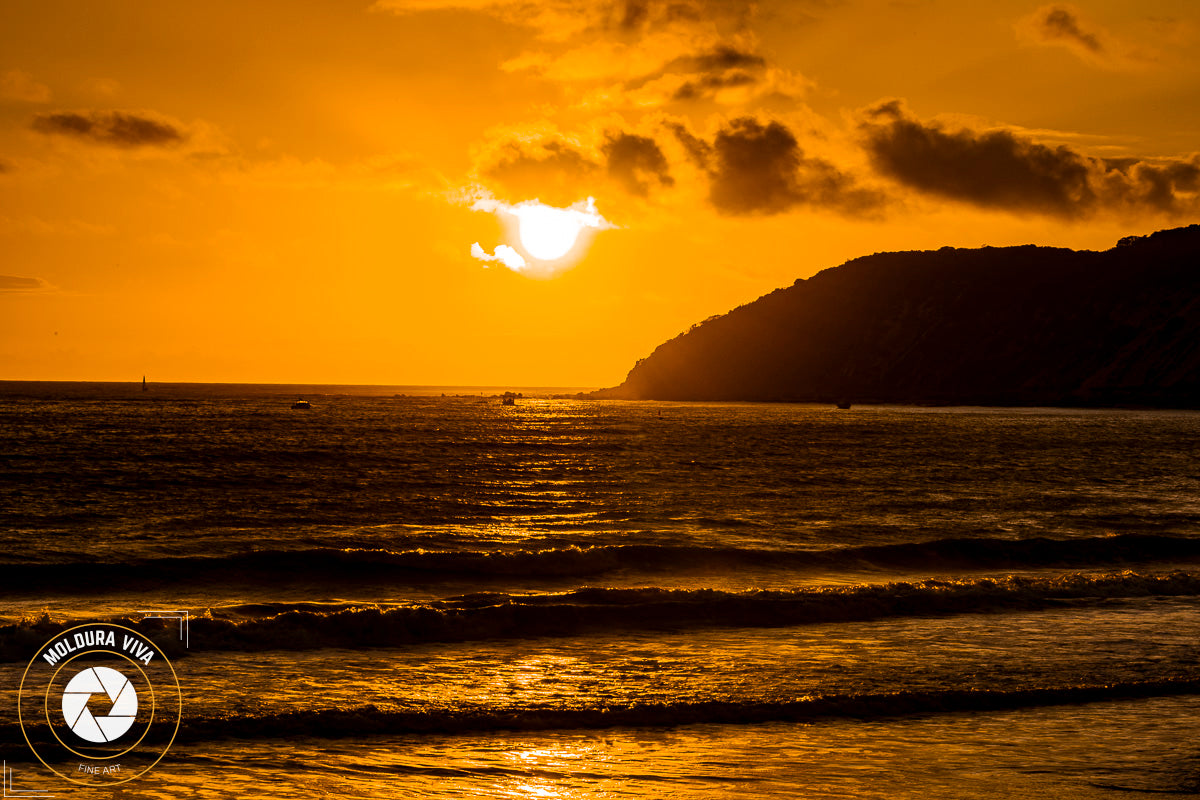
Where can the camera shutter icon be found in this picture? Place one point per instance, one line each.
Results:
(99, 680)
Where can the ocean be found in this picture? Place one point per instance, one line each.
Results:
(407, 592)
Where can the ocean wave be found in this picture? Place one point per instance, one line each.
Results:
(499, 615)
(370, 720)
(329, 564)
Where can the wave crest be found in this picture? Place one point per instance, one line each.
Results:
(499, 615)
(329, 564)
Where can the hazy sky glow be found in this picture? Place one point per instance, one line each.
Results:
(290, 191)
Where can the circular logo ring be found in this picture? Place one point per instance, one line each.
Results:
(162, 714)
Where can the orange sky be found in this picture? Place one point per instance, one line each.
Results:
(282, 191)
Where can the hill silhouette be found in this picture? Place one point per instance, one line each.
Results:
(992, 326)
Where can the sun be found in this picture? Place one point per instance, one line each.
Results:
(548, 233)
(551, 239)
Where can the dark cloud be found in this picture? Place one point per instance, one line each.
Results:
(1001, 169)
(635, 162)
(994, 168)
(116, 128)
(697, 149)
(761, 169)
(13, 283)
(719, 59)
(632, 15)
(550, 170)
(750, 167)
(707, 72)
(647, 16)
(1060, 25)
(1168, 187)
(1061, 22)
(559, 173)
(705, 87)
(5, 167)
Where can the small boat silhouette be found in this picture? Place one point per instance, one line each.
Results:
(508, 399)
(302, 403)
(843, 404)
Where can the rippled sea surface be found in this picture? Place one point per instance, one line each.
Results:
(442, 596)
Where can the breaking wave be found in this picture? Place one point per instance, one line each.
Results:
(370, 720)
(324, 564)
(499, 615)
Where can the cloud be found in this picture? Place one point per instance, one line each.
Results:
(636, 55)
(641, 53)
(504, 254)
(698, 150)
(5, 167)
(710, 74)
(1061, 24)
(550, 19)
(718, 59)
(723, 73)
(558, 20)
(761, 169)
(20, 86)
(13, 283)
(991, 168)
(1001, 169)
(635, 162)
(703, 74)
(549, 167)
(741, 168)
(746, 167)
(708, 86)
(1064, 26)
(124, 129)
(1170, 187)
(668, 67)
(613, 164)
(647, 16)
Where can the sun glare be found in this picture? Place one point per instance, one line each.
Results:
(551, 238)
(547, 233)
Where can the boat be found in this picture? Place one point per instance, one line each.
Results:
(843, 404)
(508, 399)
(302, 404)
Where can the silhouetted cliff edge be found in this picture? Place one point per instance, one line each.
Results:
(995, 326)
